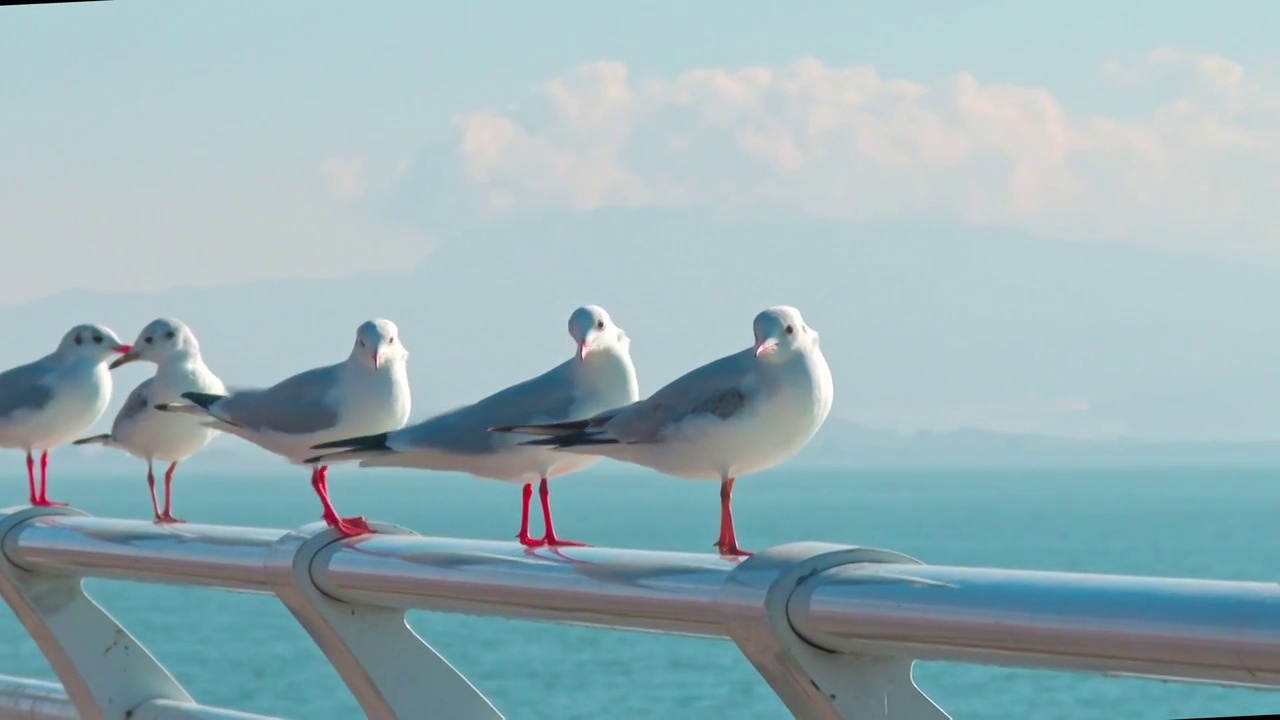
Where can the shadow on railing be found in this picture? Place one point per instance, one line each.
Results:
(834, 630)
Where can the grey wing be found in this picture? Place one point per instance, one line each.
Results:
(24, 388)
(135, 405)
(721, 389)
(297, 405)
(546, 398)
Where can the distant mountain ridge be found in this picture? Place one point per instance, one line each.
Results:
(925, 324)
(839, 444)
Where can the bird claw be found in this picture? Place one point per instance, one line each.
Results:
(530, 542)
(350, 526)
(729, 548)
(553, 541)
(46, 502)
(168, 520)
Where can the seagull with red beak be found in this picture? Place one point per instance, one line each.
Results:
(741, 414)
(50, 401)
(598, 375)
(367, 393)
(148, 434)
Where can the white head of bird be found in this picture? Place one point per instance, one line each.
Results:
(781, 334)
(162, 340)
(92, 342)
(594, 331)
(378, 344)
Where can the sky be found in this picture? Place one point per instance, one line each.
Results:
(153, 147)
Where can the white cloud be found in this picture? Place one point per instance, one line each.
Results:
(345, 177)
(1199, 162)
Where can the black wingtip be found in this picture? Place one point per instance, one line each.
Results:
(364, 442)
(556, 429)
(204, 400)
(543, 442)
(567, 441)
(92, 439)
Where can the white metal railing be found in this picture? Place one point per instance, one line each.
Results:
(834, 630)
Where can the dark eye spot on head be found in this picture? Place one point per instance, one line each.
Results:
(361, 341)
(97, 339)
(79, 340)
(391, 341)
(148, 340)
(599, 324)
(169, 334)
(790, 330)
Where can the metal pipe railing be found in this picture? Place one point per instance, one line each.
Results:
(1223, 632)
(668, 592)
(28, 699)
(822, 623)
(208, 555)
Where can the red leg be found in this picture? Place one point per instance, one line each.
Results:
(168, 496)
(726, 518)
(523, 537)
(550, 537)
(44, 483)
(728, 542)
(348, 527)
(31, 478)
(155, 504)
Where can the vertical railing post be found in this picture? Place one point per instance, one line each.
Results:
(815, 684)
(392, 672)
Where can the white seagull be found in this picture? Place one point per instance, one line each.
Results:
(148, 434)
(740, 414)
(46, 403)
(365, 394)
(600, 375)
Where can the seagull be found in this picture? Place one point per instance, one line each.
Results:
(367, 393)
(46, 403)
(600, 375)
(741, 414)
(144, 432)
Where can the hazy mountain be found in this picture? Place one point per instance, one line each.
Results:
(963, 326)
(839, 444)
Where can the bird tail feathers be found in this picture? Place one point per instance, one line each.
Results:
(356, 448)
(341, 456)
(363, 442)
(103, 439)
(581, 438)
(183, 408)
(556, 429)
(204, 400)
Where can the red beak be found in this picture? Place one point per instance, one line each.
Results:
(766, 347)
(122, 349)
(583, 347)
(377, 361)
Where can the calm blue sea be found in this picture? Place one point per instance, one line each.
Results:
(245, 651)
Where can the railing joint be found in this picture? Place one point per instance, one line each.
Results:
(393, 673)
(815, 683)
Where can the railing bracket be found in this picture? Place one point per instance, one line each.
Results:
(392, 672)
(813, 683)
